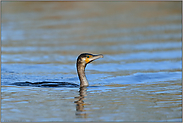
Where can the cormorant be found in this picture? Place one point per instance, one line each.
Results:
(82, 60)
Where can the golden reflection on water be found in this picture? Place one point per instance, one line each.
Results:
(80, 103)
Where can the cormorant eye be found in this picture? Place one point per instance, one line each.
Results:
(88, 56)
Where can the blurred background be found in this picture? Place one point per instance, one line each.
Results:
(140, 73)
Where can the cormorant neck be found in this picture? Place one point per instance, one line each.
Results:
(81, 74)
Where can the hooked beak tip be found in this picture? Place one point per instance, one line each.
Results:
(99, 56)
(102, 56)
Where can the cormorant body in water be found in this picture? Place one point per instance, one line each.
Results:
(82, 60)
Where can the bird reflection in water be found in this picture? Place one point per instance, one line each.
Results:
(80, 112)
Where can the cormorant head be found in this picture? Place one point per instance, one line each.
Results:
(86, 58)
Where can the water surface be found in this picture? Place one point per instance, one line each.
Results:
(139, 78)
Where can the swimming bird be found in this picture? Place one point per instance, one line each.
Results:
(82, 60)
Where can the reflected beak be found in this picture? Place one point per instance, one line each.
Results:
(95, 57)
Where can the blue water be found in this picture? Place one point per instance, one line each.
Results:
(139, 78)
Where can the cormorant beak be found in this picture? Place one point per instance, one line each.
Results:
(94, 57)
